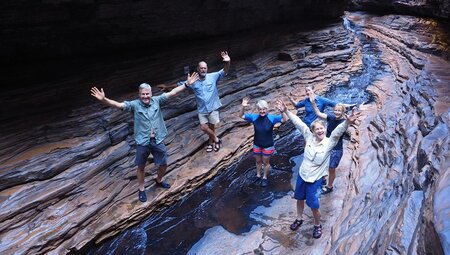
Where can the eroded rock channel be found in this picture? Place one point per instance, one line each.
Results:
(228, 202)
(78, 188)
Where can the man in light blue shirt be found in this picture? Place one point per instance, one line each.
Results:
(208, 101)
(149, 128)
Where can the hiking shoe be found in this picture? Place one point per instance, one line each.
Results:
(297, 223)
(317, 232)
(163, 184)
(142, 196)
(326, 190)
(264, 183)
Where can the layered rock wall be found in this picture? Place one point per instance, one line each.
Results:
(70, 180)
(428, 8)
(73, 181)
(401, 158)
(54, 51)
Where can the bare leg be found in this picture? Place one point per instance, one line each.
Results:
(161, 171)
(266, 162)
(210, 132)
(300, 208)
(258, 159)
(213, 129)
(316, 214)
(331, 177)
(141, 177)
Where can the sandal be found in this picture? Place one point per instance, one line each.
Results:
(209, 148)
(162, 184)
(263, 183)
(217, 145)
(297, 223)
(317, 233)
(142, 196)
(326, 190)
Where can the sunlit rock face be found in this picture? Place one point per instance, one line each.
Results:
(67, 177)
(430, 8)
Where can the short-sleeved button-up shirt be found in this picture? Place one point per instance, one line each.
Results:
(310, 115)
(206, 93)
(148, 119)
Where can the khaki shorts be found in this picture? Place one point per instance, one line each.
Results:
(212, 117)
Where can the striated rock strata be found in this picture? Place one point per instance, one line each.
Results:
(73, 181)
(401, 155)
(428, 8)
(70, 182)
(390, 191)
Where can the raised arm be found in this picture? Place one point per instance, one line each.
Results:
(299, 124)
(292, 99)
(349, 106)
(244, 104)
(285, 117)
(312, 98)
(189, 81)
(100, 95)
(227, 61)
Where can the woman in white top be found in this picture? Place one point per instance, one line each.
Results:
(315, 164)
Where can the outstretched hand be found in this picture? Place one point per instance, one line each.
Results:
(291, 96)
(225, 56)
(245, 101)
(191, 78)
(280, 105)
(99, 94)
(312, 97)
(353, 116)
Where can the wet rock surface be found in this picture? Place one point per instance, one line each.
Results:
(74, 183)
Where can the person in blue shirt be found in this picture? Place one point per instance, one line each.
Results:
(333, 120)
(321, 102)
(208, 101)
(149, 128)
(263, 145)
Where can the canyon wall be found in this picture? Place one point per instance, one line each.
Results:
(66, 168)
(427, 8)
(44, 30)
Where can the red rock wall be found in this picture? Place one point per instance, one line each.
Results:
(67, 175)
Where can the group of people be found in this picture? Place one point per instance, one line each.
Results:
(149, 127)
(323, 144)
